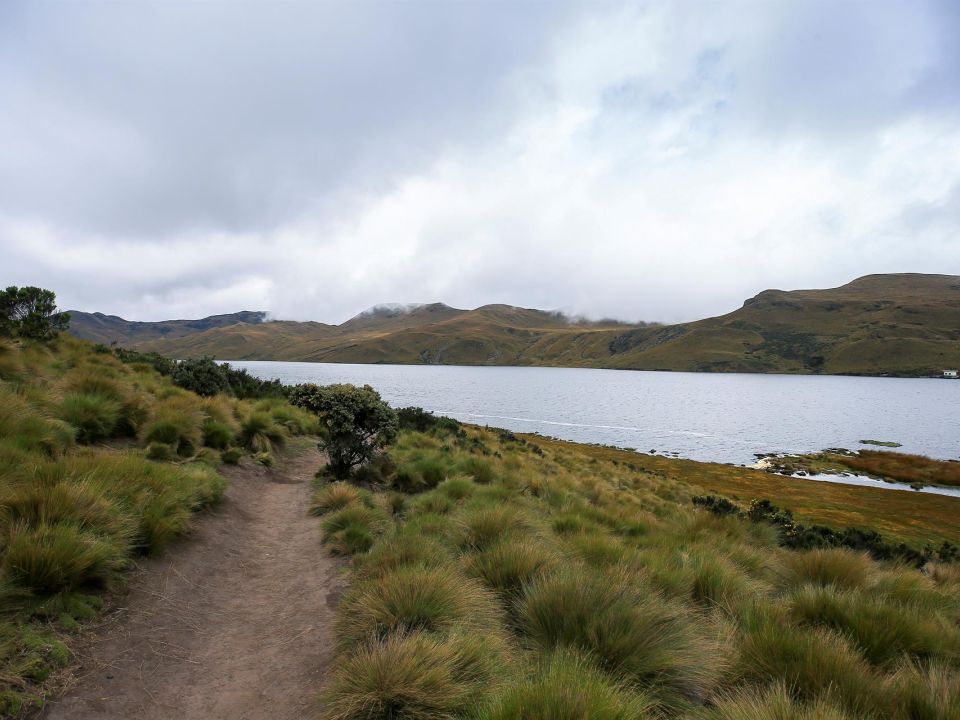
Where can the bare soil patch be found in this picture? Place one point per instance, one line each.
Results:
(236, 622)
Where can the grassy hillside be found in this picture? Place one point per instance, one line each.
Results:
(100, 462)
(496, 576)
(106, 329)
(905, 324)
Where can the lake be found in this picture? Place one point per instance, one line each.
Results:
(703, 416)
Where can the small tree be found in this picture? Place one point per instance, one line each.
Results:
(356, 424)
(31, 312)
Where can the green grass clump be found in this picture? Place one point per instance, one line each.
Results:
(568, 687)
(813, 663)
(924, 691)
(626, 628)
(260, 434)
(405, 549)
(353, 529)
(231, 456)
(50, 557)
(414, 677)
(835, 566)
(217, 435)
(161, 452)
(512, 563)
(94, 416)
(409, 599)
(481, 527)
(882, 630)
(775, 703)
(334, 496)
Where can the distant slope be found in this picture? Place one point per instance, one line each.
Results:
(110, 328)
(906, 324)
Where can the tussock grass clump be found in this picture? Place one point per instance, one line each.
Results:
(813, 663)
(566, 686)
(415, 677)
(294, 420)
(627, 629)
(216, 434)
(402, 550)
(332, 497)
(481, 527)
(260, 434)
(352, 529)
(883, 631)
(82, 504)
(177, 423)
(407, 599)
(570, 523)
(774, 703)
(50, 557)
(511, 563)
(835, 566)
(456, 488)
(160, 452)
(94, 416)
(231, 456)
(25, 427)
(925, 692)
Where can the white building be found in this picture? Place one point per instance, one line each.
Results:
(950, 373)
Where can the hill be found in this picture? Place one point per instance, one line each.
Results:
(902, 324)
(101, 328)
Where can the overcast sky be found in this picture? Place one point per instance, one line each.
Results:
(644, 160)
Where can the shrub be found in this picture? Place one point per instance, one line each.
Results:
(94, 416)
(31, 312)
(566, 686)
(203, 376)
(627, 629)
(414, 677)
(161, 452)
(356, 424)
(48, 558)
(415, 599)
(264, 458)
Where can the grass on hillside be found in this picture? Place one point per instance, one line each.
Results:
(496, 576)
(100, 462)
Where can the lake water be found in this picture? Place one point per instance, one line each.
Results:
(702, 416)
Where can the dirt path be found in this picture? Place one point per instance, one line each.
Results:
(236, 622)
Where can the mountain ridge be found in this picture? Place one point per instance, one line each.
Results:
(893, 324)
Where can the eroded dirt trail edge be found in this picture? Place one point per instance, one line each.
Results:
(235, 622)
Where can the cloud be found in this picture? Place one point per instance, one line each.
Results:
(655, 161)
